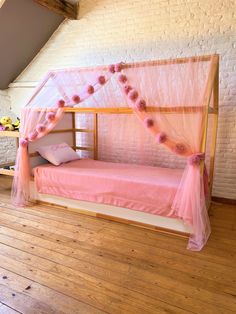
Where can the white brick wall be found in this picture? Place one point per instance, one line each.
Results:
(7, 145)
(113, 30)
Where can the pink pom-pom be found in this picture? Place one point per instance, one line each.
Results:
(195, 160)
(122, 78)
(50, 116)
(90, 89)
(118, 67)
(23, 142)
(60, 103)
(33, 135)
(40, 128)
(127, 89)
(111, 68)
(133, 95)
(148, 122)
(180, 148)
(101, 80)
(161, 138)
(141, 105)
(76, 99)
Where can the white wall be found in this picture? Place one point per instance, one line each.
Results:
(7, 145)
(114, 30)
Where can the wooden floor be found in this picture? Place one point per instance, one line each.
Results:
(54, 260)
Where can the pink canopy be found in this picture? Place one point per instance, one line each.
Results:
(170, 101)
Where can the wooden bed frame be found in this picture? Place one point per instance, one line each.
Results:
(211, 93)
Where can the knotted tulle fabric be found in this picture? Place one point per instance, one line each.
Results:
(168, 100)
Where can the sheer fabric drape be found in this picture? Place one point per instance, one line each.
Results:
(168, 99)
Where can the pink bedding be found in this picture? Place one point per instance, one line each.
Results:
(142, 188)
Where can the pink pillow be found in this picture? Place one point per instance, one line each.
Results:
(58, 153)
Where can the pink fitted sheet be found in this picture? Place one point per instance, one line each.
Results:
(141, 188)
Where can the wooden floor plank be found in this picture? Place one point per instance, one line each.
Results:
(208, 270)
(225, 257)
(4, 309)
(81, 290)
(88, 222)
(40, 293)
(87, 271)
(23, 303)
(99, 266)
(144, 236)
(73, 242)
(215, 274)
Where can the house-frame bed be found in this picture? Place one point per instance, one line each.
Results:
(69, 130)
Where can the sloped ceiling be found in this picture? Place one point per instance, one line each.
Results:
(25, 27)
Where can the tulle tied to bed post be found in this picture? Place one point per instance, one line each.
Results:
(43, 112)
(181, 132)
(141, 87)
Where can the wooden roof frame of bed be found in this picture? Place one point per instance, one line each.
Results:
(211, 104)
(211, 92)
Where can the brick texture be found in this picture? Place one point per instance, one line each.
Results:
(113, 30)
(7, 145)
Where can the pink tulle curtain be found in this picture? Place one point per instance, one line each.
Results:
(43, 112)
(34, 125)
(168, 99)
(179, 88)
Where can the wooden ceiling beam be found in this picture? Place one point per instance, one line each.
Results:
(62, 7)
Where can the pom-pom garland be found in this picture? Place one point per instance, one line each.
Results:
(133, 95)
(122, 78)
(127, 89)
(101, 80)
(60, 103)
(33, 135)
(50, 116)
(40, 128)
(195, 160)
(76, 99)
(148, 122)
(23, 142)
(141, 105)
(161, 138)
(180, 148)
(118, 67)
(90, 89)
(111, 68)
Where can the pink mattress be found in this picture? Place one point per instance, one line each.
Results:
(141, 188)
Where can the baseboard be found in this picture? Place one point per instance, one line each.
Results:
(224, 200)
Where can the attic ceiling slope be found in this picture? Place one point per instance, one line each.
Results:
(25, 27)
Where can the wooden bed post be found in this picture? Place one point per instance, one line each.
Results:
(73, 131)
(215, 125)
(212, 87)
(95, 135)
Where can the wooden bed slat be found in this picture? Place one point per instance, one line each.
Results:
(95, 136)
(9, 134)
(203, 58)
(127, 110)
(7, 172)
